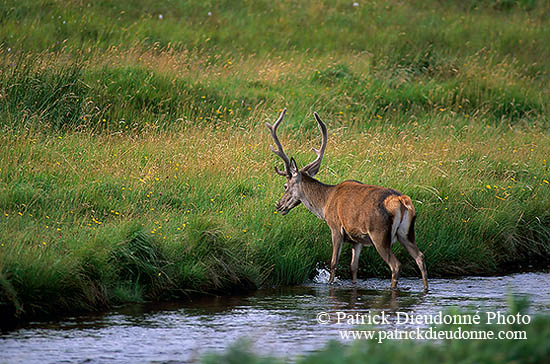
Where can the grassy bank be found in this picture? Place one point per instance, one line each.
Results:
(121, 218)
(134, 162)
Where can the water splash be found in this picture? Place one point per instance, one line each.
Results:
(322, 276)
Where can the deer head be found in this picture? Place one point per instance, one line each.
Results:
(294, 194)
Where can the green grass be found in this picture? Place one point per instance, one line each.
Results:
(124, 218)
(134, 162)
(129, 94)
(75, 64)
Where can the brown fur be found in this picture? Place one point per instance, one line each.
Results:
(364, 215)
(355, 212)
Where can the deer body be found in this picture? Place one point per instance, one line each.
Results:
(357, 213)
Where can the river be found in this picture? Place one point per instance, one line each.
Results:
(278, 321)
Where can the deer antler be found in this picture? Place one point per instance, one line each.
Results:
(312, 168)
(279, 151)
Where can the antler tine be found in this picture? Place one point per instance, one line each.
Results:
(314, 166)
(279, 151)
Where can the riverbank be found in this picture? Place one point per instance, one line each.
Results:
(89, 221)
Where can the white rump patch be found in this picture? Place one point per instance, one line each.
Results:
(395, 225)
(405, 224)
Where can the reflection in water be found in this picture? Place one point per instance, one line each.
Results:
(278, 321)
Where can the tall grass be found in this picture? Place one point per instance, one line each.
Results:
(131, 64)
(134, 162)
(122, 92)
(122, 218)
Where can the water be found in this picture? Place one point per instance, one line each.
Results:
(280, 322)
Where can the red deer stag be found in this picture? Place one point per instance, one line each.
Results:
(355, 212)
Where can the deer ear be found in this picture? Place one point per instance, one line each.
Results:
(293, 167)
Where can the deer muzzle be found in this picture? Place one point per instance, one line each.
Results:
(280, 208)
(286, 204)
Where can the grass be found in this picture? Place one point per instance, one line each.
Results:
(125, 218)
(131, 93)
(134, 162)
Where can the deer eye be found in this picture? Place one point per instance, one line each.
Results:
(285, 186)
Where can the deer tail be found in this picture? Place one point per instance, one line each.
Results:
(406, 227)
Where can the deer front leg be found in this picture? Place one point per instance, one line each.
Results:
(337, 240)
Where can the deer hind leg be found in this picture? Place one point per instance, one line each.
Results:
(409, 243)
(337, 240)
(382, 243)
(355, 260)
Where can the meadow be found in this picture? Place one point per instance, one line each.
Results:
(135, 165)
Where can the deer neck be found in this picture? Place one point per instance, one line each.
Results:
(315, 195)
